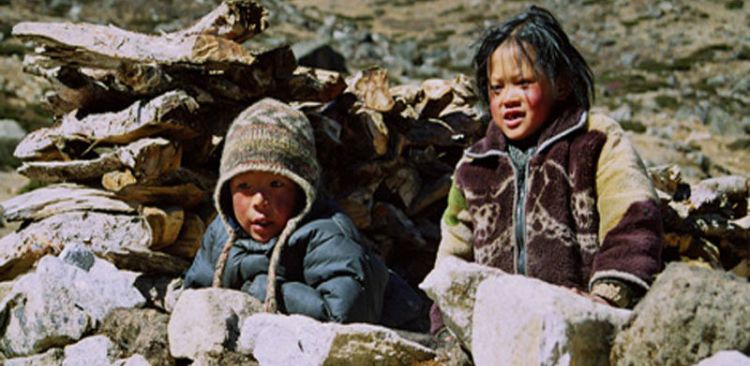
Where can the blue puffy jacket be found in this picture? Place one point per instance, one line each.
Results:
(324, 272)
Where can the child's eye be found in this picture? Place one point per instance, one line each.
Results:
(496, 88)
(242, 186)
(277, 184)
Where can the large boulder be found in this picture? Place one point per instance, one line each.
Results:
(298, 340)
(208, 321)
(525, 321)
(452, 285)
(689, 314)
(59, 303)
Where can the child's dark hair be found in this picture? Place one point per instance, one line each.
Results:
(555, 55)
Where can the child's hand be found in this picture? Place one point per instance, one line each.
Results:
(591, 297)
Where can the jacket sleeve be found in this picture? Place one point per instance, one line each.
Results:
(335, 266)
(297, 297)
(334, 273)
(201, 271)
(456, 228)
(630, 226)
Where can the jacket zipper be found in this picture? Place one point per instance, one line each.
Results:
(521, 260)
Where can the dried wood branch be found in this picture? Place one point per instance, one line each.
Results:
(52, 200)
(147, 158)
(165, 224)
(236, 20)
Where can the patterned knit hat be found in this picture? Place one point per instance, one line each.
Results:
(273, 137)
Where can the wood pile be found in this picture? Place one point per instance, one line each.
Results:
(132, 157)
(706, 222)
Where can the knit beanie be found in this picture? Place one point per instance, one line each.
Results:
(269, 136)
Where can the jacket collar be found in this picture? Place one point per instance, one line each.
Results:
(495, 143)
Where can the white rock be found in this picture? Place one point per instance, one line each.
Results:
(726, 358)
(452, 285)
(96, 350)
(58, 303)
(134, 360)
(208, 320)
(298, 340)
(525, 321)
(267, 337)
(53, 357)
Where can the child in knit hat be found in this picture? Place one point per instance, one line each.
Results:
(273, 238)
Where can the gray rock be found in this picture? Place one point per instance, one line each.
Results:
(222, 311)
(721, 122)
(700, 160)
(53, 357)
(59, 303)
(689, 314)
(452, 285)
(622, 114)
(525, 321)
(139, 331)
(628, 59)
(11, 134)
(78, 255)
(96, 350)
(10, 130)
(717, 81)
(741, 86)
(726, 358)
(298, 340)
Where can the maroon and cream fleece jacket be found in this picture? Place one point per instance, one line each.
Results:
(591, 218)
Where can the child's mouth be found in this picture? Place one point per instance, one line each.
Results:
(513, 118)
(260, 225)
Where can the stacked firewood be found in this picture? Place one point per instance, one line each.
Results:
(706, 222)
(132, 157)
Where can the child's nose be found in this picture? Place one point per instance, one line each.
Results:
(512, 98)
(259, 199)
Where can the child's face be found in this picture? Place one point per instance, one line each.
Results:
(263, 203)
(520, 100)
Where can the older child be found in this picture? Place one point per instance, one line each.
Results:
(266, 200)
(552, 191)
